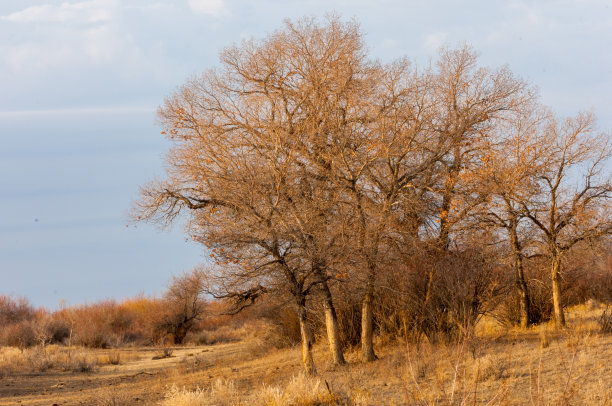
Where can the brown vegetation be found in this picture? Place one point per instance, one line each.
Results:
(309, 171)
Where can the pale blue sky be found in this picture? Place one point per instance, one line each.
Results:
(80, 82)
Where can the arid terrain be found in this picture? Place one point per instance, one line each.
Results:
(537, 366)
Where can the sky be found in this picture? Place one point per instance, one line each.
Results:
(80, 82)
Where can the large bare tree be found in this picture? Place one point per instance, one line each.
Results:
(574, 203)
(251, 139)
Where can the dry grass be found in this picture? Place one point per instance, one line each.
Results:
(301, 390)
(495, 367)
(14, 361)
(41, 359)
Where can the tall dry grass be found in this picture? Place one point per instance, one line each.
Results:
(300, 390)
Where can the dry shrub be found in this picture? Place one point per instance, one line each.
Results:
(348, 310)
(57, 330)
(220, 335)
(17, 322)
(110, 324)
(163, 351)
(605, 322)
(280, 326)
(21, 334)
(82, 362)
(39, 359)
(439, 294)
(590, 273)
(15, 310)
(114, 357)
(490, 367)
(111, 397)
(537, 273)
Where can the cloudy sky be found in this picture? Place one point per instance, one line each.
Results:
(80, 82)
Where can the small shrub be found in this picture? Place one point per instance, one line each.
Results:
(605, 322)
(184, 397)
(83, 363)
(114, 358)
(220, 335)
(163, 352)
(39, 360)
(491, 368)
(92, 339)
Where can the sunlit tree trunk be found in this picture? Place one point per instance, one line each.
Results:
(556, 291)
(307, 359)
(331, 323)
(521, 283)
(367, 325)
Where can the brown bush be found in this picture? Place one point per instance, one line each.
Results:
(439, 293)
(57, 330)
(605, 322)
(15, 310)
(17, 322)
(22, 334)
(283, 328)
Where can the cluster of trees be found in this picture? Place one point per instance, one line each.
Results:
(141, 320)
(313, 172)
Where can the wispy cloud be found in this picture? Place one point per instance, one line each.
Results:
(84, 12)
(215, 8)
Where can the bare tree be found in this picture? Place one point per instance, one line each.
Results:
(506, 177)
(185, 304)
(573, 206)
(471, 103)
(250, 138)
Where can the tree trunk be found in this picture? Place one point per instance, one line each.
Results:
(524, 300)
(306, 340)
(556, 292)
(331, 322)
(367, 326)
(521, 284)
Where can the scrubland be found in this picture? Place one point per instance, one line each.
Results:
(248, 365)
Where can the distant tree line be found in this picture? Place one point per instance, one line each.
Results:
(383, 196)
